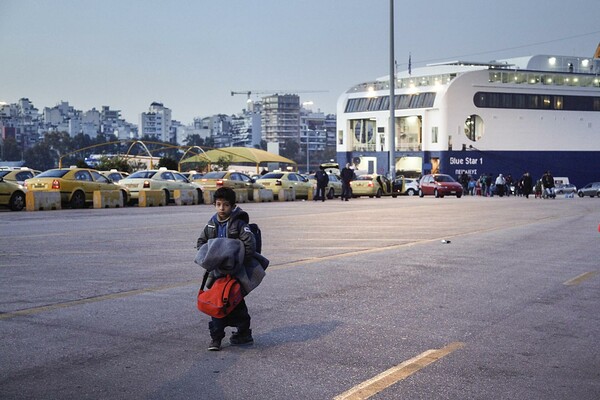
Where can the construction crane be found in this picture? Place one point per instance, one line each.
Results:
(251, 92)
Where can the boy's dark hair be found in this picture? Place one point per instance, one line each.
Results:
(225, 193)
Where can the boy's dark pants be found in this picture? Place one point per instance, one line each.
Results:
(238, 318)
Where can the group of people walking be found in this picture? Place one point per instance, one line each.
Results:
(488, 186)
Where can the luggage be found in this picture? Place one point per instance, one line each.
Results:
(222, 297)
(257, 236)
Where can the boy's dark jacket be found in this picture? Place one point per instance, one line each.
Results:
(222, 256)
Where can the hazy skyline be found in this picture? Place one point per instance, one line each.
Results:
(189, 55)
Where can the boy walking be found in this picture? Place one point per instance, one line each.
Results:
(230, 222)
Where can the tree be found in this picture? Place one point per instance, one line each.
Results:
(80, 163)
(223, 163)
(199, 166)
(194, 140)
(41, 157)
(59, 141)
(291, 150)
(81, 141)
(118, 163)
(168, 163)
(11, 151)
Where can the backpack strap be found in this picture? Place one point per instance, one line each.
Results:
(204, 279)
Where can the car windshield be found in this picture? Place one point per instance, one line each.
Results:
(364, 178)
(443, 178)
(272, 175)
(4, 173)
(214, 175)
(53, 173)
(142, 175)
(115, 177)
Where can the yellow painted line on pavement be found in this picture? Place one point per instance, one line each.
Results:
(395, 374)
(112, 296)
(580, 278)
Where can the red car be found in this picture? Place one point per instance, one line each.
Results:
(439, 185)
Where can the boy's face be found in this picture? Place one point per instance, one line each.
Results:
(223, 208)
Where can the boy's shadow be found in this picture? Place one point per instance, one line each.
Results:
(296, 333)
(203, 378)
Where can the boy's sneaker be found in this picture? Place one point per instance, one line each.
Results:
(240, 340)
(215, 345)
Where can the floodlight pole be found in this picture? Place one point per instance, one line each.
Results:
(307, 151)
(392, 124)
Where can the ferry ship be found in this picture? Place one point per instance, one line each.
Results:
(511, 116)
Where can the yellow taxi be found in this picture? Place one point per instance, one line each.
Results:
(193, 175)
(374, 186)
(231, 179)
(18, 175)
(12, 195)
(76, 185)
(159, 179)
(334, 187)
(277, 179)
(115, 175)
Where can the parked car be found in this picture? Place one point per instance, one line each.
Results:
(159, 179)
(231, 179)
(334, 187)
(411, 186)
(12, 195)
(439, 185)
(373, 186)
(332, 168)
(565, 188)
(278, 179)
(591, 189)
(192, 175)
(115, 175)
(76, 185)
(18, 175)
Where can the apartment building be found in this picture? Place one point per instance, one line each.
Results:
(281, 118)
(156, 123)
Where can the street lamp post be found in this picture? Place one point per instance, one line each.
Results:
(307, 151)
(392, 126)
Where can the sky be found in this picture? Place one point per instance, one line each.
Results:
(190, 55)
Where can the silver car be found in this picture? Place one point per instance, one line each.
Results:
(411, 186)
(565, 188)
(591, 189)
(160, 179)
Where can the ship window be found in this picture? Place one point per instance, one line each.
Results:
(385, 103)
(428, 99)
(381, 103)
(558, 102)
(479, 99)
(402, 101)
(434, 134)
(474, 127)
(535, 101)
(494, 100)
(546, 102)
(363, 129)
(414, 101)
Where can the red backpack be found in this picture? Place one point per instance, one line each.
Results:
(222, 297)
